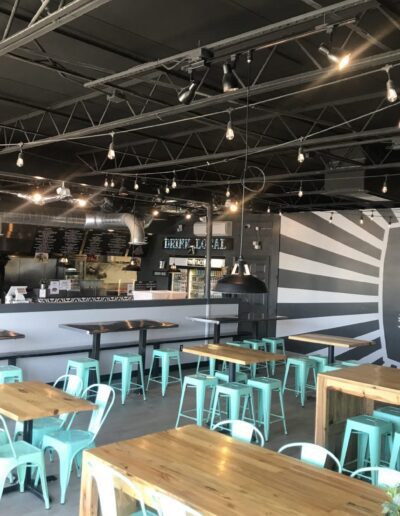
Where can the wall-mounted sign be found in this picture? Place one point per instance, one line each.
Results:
(182, 244)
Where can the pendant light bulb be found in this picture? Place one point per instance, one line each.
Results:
(331, 218)
(280, 212)
(167, 190)
(228, 192)
(37, 197)
(188, 215)
(361, 219)
(155, 212)
(82, 202)
(230, 133)
(300, 155)
(174, 183)
(136, 185)
(300, 192)
(111, 151)
(269, 209)
(20, 158)
(106, 184)
(384, 186)
(112, 184)
(391, 93)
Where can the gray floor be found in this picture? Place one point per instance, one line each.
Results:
(138, 418)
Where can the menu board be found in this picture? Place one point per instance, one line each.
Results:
(57, 241)
(108, 243)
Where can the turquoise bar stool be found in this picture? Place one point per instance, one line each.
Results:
(371, 434)
(320, 362)
(82, 368)
(241, 377)
(234, 393)
(127, 361)
(392, 414)
(165, 356)
(275, 344)
(265, 387)
(10, 374)
(394, 457)
(258, 345)
(302, 367)
(200, 382)
(211, 365)
(250, 369)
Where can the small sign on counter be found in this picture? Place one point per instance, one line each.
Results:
(54, 288)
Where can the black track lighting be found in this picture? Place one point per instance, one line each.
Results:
(229, 79)
(340, 58)
(123, 191)
(186, 94)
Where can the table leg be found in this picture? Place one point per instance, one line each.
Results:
(232, 372)
(142, 352)
(217, 333)
(95, 354)
(331, 354)
(89, 499)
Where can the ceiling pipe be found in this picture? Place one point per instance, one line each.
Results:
(88, 221)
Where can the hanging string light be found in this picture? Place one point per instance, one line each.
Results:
(174, 184)
(391, 93)
(228, 192)
(269, 209)
(106, 184)
(188, 215)
(20, 158)
(136, 184)
(384, 186)
(300, 192)
(111, 151)
(300, 154)
(155, 212)
(230, 133)
(280, 212)
(112, 184)
(167, 190)
(361, 218)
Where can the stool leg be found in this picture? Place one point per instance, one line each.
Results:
(212, 366)
(214, 408)
(180, 404)
(125, 380)
(361, 449)
(97, 368)
(374, 454)
(281, 402)
(273, 363)
(111, 372)
(345, 445)
(198, 364)
(303, 373)
(140, 365)
(212, 397)
(395, 451)
(200, 398)
(234, 404)
(251, 400)
(286, 374)
(179, 369)
(164, 373)
(150, 371)
(266, 413)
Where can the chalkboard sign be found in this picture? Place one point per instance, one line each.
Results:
(108, 243)
(57, 241)
(45, 240)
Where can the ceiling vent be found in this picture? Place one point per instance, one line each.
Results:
(354, 185)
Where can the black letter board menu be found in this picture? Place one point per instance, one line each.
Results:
(106, 243)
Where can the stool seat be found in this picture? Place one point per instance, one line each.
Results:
(273, 344)
(389, 413)
(201, 382)
(224, 377)
(10, 374)
(320, 361)
(126, 361)
(258, 345)
(165, 356)
(266, 386)
(234, 393)
(83, 366)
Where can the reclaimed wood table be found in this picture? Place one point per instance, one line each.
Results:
(27, 401)
(218, 320)
(233, 355)
(96, 329)
(216, 475)
(331, 342)
(348, 392)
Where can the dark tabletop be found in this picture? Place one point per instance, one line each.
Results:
(118, 326)
(7, 334)
(225, 319)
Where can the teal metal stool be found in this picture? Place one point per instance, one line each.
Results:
(200, 382)
(165, 356)
(258, 345)
(10, 374)
(234, 393)
(394, 456)
(127, 361)
(371, 433)
(241, 377)
(320, 362)
(302, 367)
(82, 367)
(392, 414)
(211, 365)
(265, 387)
(275, 344)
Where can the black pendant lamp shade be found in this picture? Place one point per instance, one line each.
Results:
(241, 281)
(132, 266)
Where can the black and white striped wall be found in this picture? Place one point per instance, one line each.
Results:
(342, 278)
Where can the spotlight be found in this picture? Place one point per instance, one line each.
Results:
(167, 190)
(136, 185)
(123, 191)
(228, 192)
(300, 155)
(229, 79)
(269, 209)
(361, 219)
(155, 212)
(186, 94)
(300, 192)
(112, 184)
(391, 93)
(20, 158)
(81, 202)
(106, 182)
(331, 218)
(230, 133)
(232, 206)
(188, 215)
(174, 183)
(340, 58)
(111, 151)
(384, 186)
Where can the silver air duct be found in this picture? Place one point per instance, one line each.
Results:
(88, 221)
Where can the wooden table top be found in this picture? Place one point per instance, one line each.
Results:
(331, 340)
(214, 474)
(368, 375)
(237, 355)
(23, 401)
(117, 326)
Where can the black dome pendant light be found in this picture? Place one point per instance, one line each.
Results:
(240, 281)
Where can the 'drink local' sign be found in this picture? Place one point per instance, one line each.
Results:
(180, 244)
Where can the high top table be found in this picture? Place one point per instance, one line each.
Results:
(331, 341)
(27, 401)
(218, 320)
(233, 355)
(213, 474)
(96, 329)
(8, 335)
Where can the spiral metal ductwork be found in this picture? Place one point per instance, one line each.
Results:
(88, 221)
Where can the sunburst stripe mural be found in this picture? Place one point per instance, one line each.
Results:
(338, 276)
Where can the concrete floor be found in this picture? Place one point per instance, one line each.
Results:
(138, 418)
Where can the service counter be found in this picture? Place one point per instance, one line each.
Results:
(40, 323)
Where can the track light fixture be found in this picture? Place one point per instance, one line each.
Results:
(229, 79)
(123, 191)
(230, 133)
(112, 184)
(340, 58)
(361, 218)
(391, 93)
(20, 158)
(106, 184)
(331, 218)
(174, 183)
(186, 94)
(111, 151)
(384, 186)
(300, 192)
(228, 192)
(136, 184)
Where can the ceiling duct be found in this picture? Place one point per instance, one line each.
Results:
(88, 221)
(354, 185)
